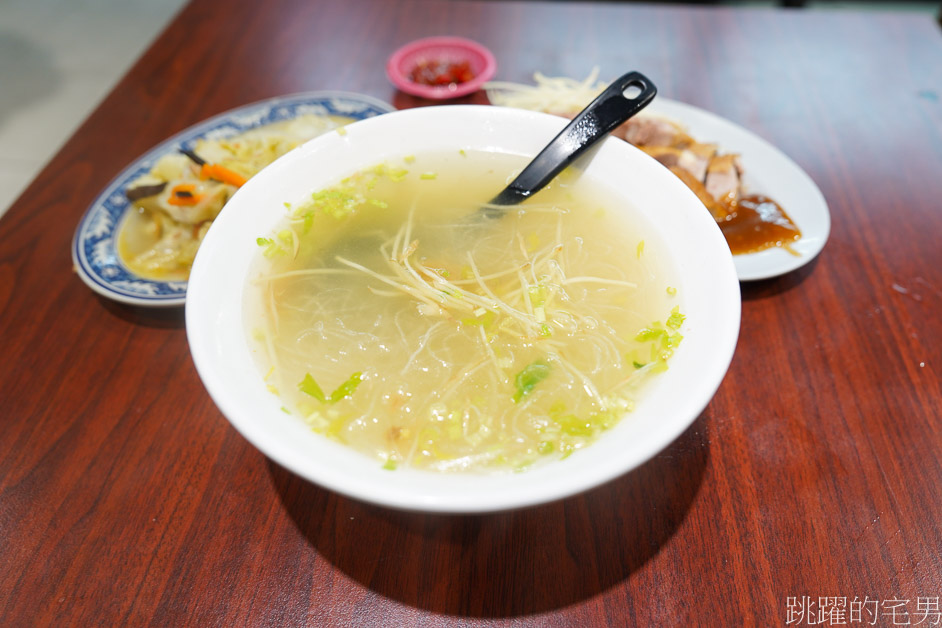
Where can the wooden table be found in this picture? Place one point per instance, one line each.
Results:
(127, 499)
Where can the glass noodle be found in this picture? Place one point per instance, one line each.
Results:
(391, 316)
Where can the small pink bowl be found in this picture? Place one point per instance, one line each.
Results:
(445, 49)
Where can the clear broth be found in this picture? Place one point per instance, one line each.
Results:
(507, 343)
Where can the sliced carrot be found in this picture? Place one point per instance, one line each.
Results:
(223, 174)
(184, 194)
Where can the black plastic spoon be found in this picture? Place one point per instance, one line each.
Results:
(622, 99)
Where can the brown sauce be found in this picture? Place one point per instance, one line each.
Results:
(757, 223)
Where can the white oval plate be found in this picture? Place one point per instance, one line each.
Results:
(94, 246)
(767, 171)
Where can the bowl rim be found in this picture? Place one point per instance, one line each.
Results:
(397, 74)
(219, 344)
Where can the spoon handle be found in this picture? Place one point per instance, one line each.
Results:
(622, 99)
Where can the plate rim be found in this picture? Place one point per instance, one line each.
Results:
(177, 295)
(820, 236)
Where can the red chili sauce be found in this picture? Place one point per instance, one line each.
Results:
(437, 72)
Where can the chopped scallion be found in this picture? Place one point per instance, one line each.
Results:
(676, 319)
(529, 377)
(347, 388)
(309, 386)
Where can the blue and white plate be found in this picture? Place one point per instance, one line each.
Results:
(94, 246)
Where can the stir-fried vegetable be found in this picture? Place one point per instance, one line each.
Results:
(184, 191)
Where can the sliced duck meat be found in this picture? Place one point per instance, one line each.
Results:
(720, 209)
(652, 131)
(699, 158)
(694, 158)
(723, 178)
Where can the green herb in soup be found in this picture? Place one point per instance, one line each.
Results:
(452, 342)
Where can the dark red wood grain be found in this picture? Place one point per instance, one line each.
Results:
(126, 498)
